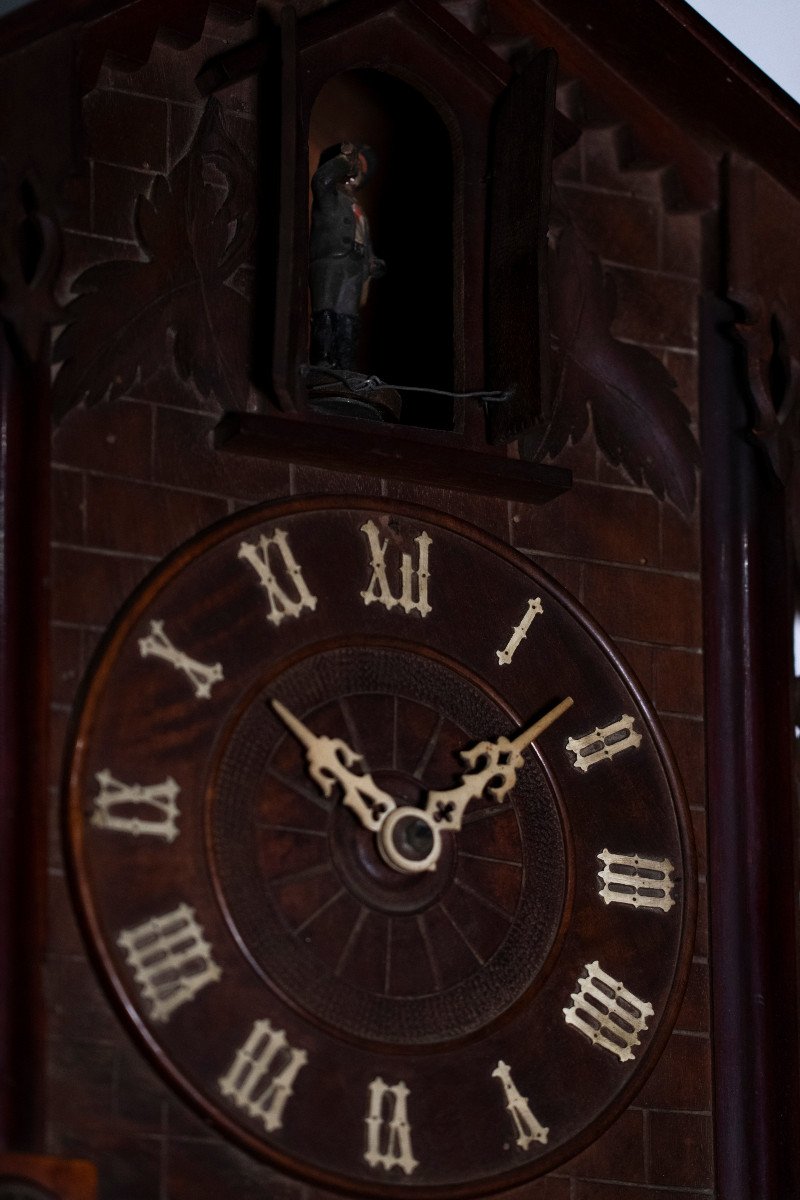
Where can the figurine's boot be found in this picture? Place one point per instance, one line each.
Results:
(345, 340)
(322, 338)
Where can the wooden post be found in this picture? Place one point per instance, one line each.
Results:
(748, 622)
(24, 430)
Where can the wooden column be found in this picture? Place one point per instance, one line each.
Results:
(38, 111)
(23, 745)
(748, 622)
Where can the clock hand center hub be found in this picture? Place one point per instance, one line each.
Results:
(409, 840)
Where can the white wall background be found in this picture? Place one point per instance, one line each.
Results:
(767, 31)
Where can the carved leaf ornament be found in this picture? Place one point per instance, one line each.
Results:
(639, 422)
(177, 302)
(772, 345)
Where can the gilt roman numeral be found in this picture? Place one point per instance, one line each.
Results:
(412, 578)
(201, 676)
(527, 1127)
(534, 608)
(388, 1130)
(636, 880)
(287, 598)
(170, 959)
(601, 744)
(135, 808)
(261, 1077)
(606, 1013)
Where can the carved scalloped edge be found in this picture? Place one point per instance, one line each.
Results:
(611, 136)
(127, 35)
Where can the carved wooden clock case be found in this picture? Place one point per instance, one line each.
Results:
(377, 935)
(375, 838)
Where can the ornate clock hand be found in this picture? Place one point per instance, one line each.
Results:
(410, 839)
(493, 768)
(329, 761)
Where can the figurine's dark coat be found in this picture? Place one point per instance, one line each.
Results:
(340, 264)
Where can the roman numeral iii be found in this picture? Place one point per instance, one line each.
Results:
(636, 880)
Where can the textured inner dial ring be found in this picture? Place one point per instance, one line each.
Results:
(440, 954)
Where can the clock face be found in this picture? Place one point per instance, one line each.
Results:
(380, 849)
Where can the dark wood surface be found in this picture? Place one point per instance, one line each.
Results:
(517, 309)
(748, 625)
(24, 436)
(108, 27)
(698, 76)
(420, 457)
(690, 78)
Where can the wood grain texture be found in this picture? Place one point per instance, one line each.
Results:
(749, 750)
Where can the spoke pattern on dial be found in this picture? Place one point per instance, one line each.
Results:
(430, 746)
(352, 938)
(432, 959)
(323, 868)
(300, 788)
(353, 735)
(478, 958)
(490, 858)
(387, 962)
(483, 899)
(482, 814)
(355, 941)
(298, 829)
(319, 911)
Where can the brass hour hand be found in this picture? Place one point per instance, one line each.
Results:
(329, 761)
(493, 768)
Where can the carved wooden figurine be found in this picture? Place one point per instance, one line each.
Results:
(342, 262)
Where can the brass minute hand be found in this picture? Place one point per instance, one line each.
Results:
(329, 761)
(493, 768)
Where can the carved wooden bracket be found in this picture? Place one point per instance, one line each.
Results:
(639, 422)
(30, 253)
(772, 346)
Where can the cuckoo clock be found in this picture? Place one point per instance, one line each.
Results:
(409, 884)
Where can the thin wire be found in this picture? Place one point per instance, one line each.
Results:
(371, 383)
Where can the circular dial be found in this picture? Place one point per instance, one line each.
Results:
(408, 895)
